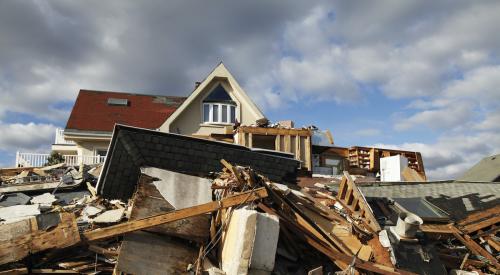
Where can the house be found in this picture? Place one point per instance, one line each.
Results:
(212, 110)
(218, 109)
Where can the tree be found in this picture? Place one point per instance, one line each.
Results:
(54, 158)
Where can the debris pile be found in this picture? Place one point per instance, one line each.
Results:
(237, 222)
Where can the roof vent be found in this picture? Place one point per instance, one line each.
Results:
(118, 101)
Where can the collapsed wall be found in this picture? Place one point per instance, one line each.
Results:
(132, 148)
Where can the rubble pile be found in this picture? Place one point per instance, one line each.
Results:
(236, 222)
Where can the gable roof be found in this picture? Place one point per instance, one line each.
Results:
(91, 111)
(219, 72)
(488, 169)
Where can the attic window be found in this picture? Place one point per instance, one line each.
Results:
(219, 107)
(219, 94)
(118, 101)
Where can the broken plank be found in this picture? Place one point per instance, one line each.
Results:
(482, 224)
(135, 225)
(473, 246)
(18, 239)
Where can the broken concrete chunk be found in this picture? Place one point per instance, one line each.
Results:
(266, 243)
(19, 212)
(44, 199)
(91, 211)
(110, 216)
(251, 242)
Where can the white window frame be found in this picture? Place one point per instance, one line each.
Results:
(219, 116)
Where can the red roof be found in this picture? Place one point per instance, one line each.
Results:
(92, 112)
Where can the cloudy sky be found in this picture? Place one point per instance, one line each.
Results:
(418, 75)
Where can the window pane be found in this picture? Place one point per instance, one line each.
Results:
(224, 113)
(215, 113)
(233, 114)
(206, 112)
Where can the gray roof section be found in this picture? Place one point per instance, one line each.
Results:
(457, 198)
(488, 169)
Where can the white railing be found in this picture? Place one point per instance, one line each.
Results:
(60, 137)
(37, 160)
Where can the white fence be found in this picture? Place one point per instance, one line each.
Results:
(37, 160)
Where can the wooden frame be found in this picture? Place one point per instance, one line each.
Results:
(290, 140)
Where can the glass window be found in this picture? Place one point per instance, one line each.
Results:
(232, 115)
(224, 113)
(206, 112)
(215, 113)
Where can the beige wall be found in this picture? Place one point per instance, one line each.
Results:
(88, 147)
(189, 122)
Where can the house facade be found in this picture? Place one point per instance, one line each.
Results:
(213, 108)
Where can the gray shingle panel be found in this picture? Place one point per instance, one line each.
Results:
(456, 198)
(129, 150)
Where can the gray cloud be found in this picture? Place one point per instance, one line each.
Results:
(50, 49)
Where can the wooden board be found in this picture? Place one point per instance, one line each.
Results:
(147, 253)
(18, 239)
(148, 201)
(411, 175)
(351, 197)
(131, 226)
(274, 131)
(473, 246)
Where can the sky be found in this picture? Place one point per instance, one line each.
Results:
(416, 75)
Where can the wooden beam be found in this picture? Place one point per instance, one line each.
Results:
(18, 239)
(250, 140)
(473, 246)
(131, 226)
(307, 152)
(277, 143)
(353, 194)
(274, 131)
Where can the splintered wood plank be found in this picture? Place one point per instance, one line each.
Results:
(367, 213)
(140, 224)
(479, 215)
(494, 244)
(342, 189)
(473, 246)
(24, 237)
(482, 224)
(436, 228)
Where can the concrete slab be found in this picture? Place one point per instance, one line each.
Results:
(266, 242)
(181, 190)
(250, 243)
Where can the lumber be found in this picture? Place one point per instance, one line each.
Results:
(473, 246)
(353, 194)
(131, 226)
(274, 131)
(482, 224)
(18, 239)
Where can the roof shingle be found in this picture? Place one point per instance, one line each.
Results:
(91, 111)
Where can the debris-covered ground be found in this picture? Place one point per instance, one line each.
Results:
(236, 221)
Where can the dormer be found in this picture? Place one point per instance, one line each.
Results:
(216, 104)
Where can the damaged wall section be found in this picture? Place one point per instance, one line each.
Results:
(132, 148)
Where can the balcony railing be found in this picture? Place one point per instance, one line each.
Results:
(60, 138)
(37, 160)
